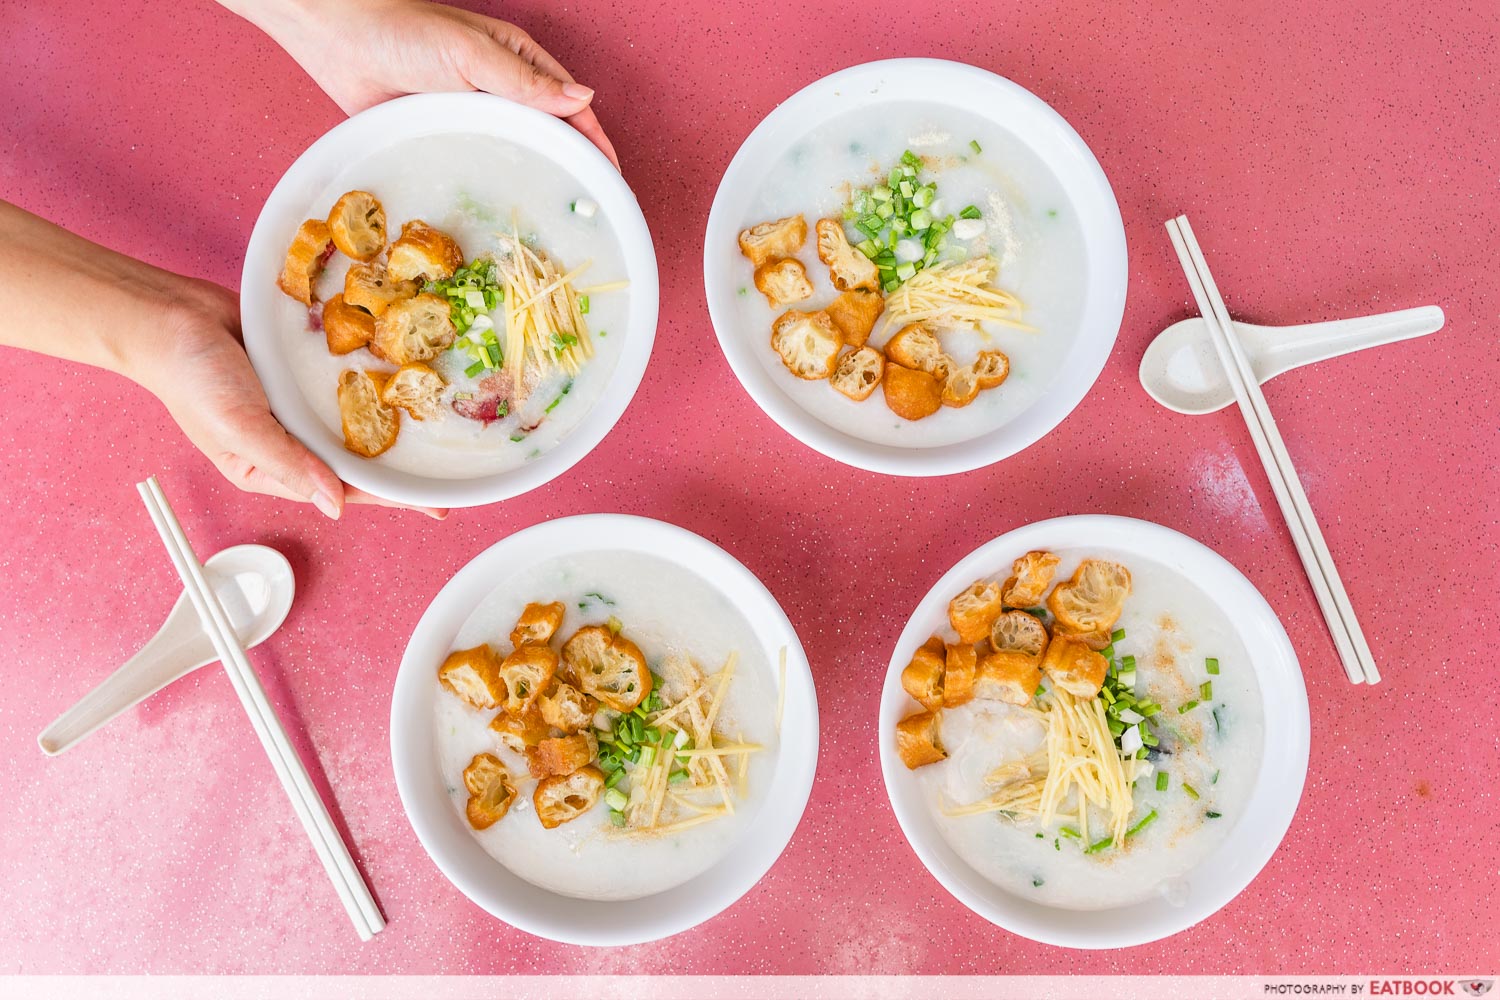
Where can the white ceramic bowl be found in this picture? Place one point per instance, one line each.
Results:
(382, 126)
(977, 92)
(1278, 787)
(445, 834)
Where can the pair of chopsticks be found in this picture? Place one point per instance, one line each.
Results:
(294, 778)
(1353, 651)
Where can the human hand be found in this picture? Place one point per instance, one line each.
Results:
(363, 52)
(204, 378)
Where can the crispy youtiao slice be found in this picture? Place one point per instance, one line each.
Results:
(416, 389)
(415, 329)
(347, 328)
(370, 426)
(807, 343)
(473, 675)
(768, 241)
(563, 798)
(972, 612)
(1088, 605)
(311, 247)
(369, 287)
(854, 314)
(608, 666)
(1030, 576)
(1073, 666)
(357, 225)
(783, 282)
(919, 741)
(846, 266)
(491, 790)
(538, 623)
(858, 373)
(424, 253)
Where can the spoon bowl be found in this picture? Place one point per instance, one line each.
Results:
(1181, 370)
(255, 585)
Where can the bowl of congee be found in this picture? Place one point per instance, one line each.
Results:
(1094, 732)
(450, 299)
(604, 730)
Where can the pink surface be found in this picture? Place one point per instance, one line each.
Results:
(1334, 160)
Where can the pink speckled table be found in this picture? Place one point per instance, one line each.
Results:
(1335, 160)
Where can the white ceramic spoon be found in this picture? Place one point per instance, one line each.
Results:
(255, 585)
(1181, 371)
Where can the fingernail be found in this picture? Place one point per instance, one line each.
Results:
(325, 503)
(578, 92)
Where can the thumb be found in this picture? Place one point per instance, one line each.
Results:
(275, 458)
(499, 70)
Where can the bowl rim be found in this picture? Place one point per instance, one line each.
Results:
(1278, 785)
(1105, 291)
(412, 117)
(582, 921)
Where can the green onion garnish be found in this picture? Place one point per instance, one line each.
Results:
(1037, 882)
(1099, 845)
(518, 436)
(617, 818)
(1184, 709)
(971, 212)
(1191, 791)
(1215, 779)
(1206, 690)
(1213, 815)
(475, 369)
(1040, 835)
(1141, 824)
(1161, 781)
(974, 145)
(1068, 831)
(1211, 664)
(583, 304)
(1117, 635)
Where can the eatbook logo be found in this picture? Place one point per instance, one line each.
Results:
(1477, 987)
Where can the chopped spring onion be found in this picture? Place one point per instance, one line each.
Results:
(1184, 709)
(615, 776)
(502, 408)
(1099, 845)
(1130, 740)
(1192, 792)
(615, 799)
(1037, 882)
(518, 436)
(971, 212)
(1161, 781)
(1206, 690)
(1117, 635)
(585, 207)
(583, 304)
(475, 369)
(1068, 831)
(1040, 835)
(1127, 678)
(1130, 716)
(974, 145)
(1211, 665)
(1215, 779)
(1141, 824)
(617, 818)
(1213, 815)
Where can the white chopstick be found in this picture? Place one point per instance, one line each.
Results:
(325, 838)
(1328, 588)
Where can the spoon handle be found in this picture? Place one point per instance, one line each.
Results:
(141, 676)
(1303, 345)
